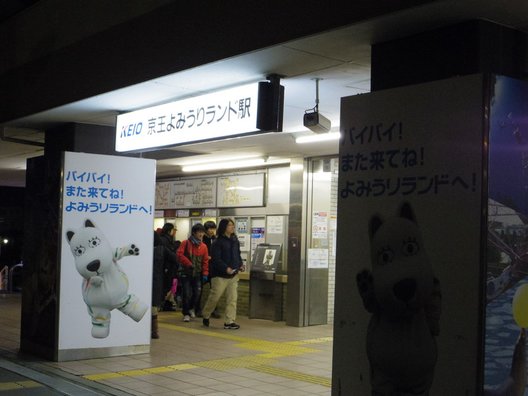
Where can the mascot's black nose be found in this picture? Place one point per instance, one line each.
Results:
(94, 266)
(405, 289)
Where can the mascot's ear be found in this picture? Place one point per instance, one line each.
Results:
(374, 225)
(88, 223)
(69, 235)
(406, 212)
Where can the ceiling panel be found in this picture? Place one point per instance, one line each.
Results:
(340, 58)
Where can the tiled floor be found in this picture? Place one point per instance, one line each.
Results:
(261, 358)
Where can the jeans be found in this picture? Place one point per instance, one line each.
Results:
(191, 290)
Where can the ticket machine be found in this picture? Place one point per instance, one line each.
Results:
(265, 294)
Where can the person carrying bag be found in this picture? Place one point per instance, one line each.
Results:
(194, 259)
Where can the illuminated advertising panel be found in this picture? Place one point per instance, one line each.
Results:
(106, 255)
(221, 114)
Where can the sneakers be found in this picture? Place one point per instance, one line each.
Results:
(231, 326)
(186, 318)
(191, 312)
(205, 322)
(168, 306)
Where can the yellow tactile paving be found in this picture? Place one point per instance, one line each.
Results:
(5, 386)
(261, 362)
(29, 384)
(281, 372)
(281, 348)
(158, 370)
(103, 376)
(232, 363)
(183, 366)
(275, 347)
(224, 335)
(319, 340)
(141, 372)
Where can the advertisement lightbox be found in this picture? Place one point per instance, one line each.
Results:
(410, 226)
(106, 255)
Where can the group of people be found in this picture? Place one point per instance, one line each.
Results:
(210, 255)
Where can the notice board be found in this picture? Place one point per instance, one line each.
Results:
(194, 193)
(241, 191)
(163, 195)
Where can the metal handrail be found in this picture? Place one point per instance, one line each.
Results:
(10, 281)
(4, 278)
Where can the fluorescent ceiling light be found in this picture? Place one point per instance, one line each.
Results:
(210, 158)
(318, 138)
(212, 166)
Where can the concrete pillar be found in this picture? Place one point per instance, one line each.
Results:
(467, 48)
(40, 290)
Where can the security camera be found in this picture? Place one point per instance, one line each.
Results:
(316, 122)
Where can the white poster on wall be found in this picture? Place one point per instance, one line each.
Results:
(320, 225)
(274, 224)
(244, 239)
(241, 225)
(317, 258)
(408, 269)
(106, 251)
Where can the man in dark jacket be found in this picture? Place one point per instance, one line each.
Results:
(210, 235)
(226, 263)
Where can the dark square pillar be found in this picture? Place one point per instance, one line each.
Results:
(466, 48)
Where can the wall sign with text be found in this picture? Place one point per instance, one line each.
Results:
(231, 112)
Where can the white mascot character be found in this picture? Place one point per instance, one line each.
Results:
(404, 298)
(105, 285)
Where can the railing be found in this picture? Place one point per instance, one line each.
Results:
(16, 267)
(4, 279)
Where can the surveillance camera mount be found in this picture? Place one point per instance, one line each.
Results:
(312, 119)
(316, 107)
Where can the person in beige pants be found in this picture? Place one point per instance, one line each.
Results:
(224, 268)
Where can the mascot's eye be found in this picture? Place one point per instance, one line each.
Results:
(79, 250)
(94, 242)
(385, 256)
(410, 247)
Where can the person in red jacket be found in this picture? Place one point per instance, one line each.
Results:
(194, 259)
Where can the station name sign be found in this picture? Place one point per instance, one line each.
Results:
(222, 114)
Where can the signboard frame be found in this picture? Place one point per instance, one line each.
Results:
(238, 191)
(106, 217)
(266, 257)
